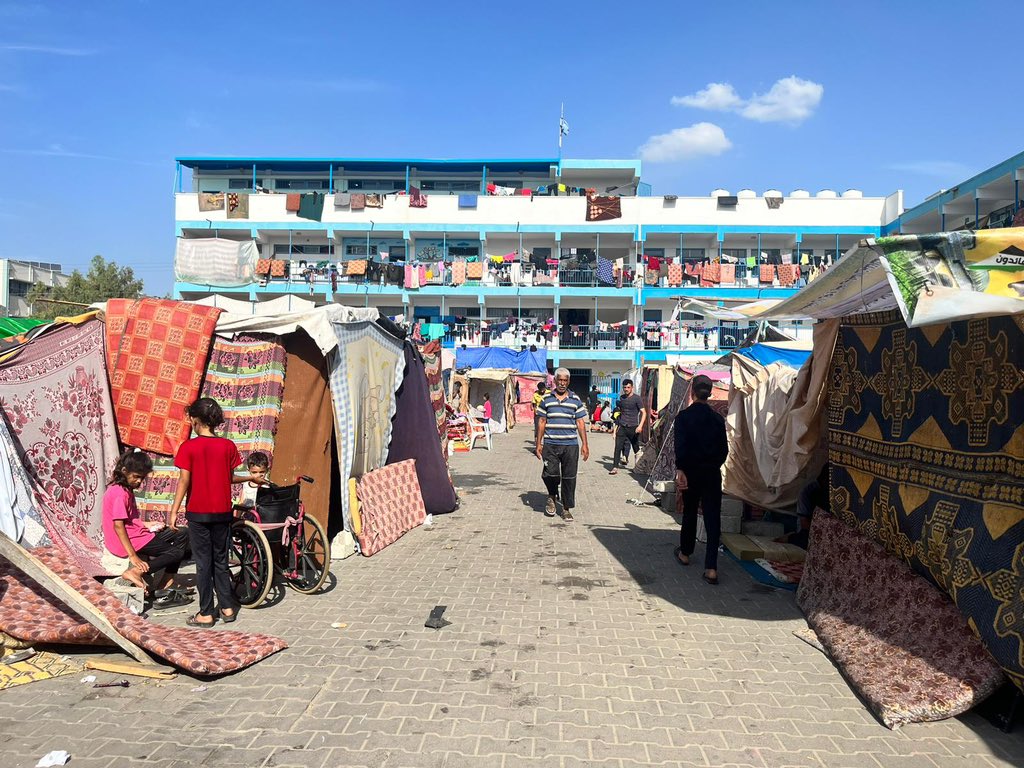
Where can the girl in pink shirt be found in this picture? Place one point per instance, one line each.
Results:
(149, 547)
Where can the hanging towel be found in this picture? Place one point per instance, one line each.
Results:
(422, 274)
(277, 267)
(492, 189)
(458, 273)
(355, 267)
(728, 274)
(766, 274)
(416, 198)
(475, 270)
(374, 201)
(605, 273)
(238, 205)
(262, 267)
(467, 201)
(211, 201)
(600, 208)
(412, 276)
(713, 272)
(358, 201)
(751, 262)
(312, 206)
(342, 200)
(291, 202)
(675, 275)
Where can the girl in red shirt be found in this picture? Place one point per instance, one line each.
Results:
(207, 465)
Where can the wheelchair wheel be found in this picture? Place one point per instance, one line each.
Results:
(252, 573)
(313, 558)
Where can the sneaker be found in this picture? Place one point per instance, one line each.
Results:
(567, 515)
(549, 510)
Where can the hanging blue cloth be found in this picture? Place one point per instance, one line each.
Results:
(467, 201)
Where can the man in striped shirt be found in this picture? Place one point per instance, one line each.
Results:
(561, 431)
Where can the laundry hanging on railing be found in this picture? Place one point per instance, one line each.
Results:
(215, 261)
(211, 201)
(238, 205)
(605, 271)
(467, 201)
(311, 206)
(601, 208)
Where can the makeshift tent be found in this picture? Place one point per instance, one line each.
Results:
(657, 457)
(501, 357)
(774, 424)
(276, 306)
(413, 430)
(12, 326)
(469, 387)
(928, 278)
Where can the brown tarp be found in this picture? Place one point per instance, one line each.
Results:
(304, 432)
(776, 437)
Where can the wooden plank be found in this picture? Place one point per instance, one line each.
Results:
(33, 567)
(779, 552)
(156, 671)
(742, 546)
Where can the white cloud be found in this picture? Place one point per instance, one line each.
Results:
(685, 143)
(58, 150)
(717, 96)
(789, 100)
(943, 169)
(49, 50)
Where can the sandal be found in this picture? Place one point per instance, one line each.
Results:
(712, 580)
(193, 621)
(675, 554)
(228, 619)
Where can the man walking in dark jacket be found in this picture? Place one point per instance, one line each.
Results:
(701, 448)
(628, 426)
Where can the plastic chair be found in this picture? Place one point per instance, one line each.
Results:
(478, 429)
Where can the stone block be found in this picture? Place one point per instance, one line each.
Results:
(762, 528)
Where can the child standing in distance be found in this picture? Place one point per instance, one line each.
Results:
(149, 547)
(487, 407)
(207, 465)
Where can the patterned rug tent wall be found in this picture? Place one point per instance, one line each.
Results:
(246, 377)
(927, 453)
(412, 431)
(432, 361)
(55, 399)
(157, 352)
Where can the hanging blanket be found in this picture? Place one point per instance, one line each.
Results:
(728, 274)
(713, 272)
(30, 613)
(357, 202)
(435, 381)
(467, 201)
(390, 504)
(412, 427)
(311, 206)
(238, 205)
(211, 201)
(416, 198)
(927, 457)
(292, 201)
(788, 274)
(412, 276)
(246, 378)
(355, 267)
(156, 350)
(374, 201)
(605, 271)
(366, 370)
(896, 638)
(603, 208)
(474, 270)
(766, 273)
(675, 275)
(458, 272)
(54, 397)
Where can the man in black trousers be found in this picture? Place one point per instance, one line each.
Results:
(701, 448)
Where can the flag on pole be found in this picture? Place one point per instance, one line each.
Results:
(563, 127)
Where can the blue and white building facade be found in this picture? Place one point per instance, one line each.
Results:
(593, 319)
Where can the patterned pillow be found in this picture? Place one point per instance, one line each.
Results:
(390, 503)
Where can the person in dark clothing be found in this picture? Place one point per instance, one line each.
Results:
(701, 448)
(629, 425)
(593, 400)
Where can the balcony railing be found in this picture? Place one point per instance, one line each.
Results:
(577, 337)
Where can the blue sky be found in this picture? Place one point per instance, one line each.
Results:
(96, 98)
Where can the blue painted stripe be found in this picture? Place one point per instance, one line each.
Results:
(751, 229)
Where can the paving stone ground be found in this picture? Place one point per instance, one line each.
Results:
(577, 644)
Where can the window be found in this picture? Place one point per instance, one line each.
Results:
(283, 249)
(544, 253)
(515, 184)
(376, 185)
(304, 184)
(18, 288)
(431, 185)
(464, 250)
(832, 253)
(740, 254)
(243, 183)
(360, 250)
(691, 253)
(658, 253)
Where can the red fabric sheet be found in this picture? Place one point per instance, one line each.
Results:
(390, 503)
(30, 613)
(157, 351)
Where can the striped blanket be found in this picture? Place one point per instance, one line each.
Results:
(246, 377)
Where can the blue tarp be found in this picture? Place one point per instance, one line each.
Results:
(766, 354)
(500, 357)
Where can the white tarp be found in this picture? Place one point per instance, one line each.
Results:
(278, 306)
(215, 261)
(316, 322)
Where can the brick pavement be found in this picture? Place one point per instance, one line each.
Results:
(576, 644)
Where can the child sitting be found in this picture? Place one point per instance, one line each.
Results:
(149, 547)
(258, 465)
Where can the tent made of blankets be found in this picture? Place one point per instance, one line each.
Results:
(922, 397)
(469, 387)
(774, 422)
(525, 361)
(657, 458)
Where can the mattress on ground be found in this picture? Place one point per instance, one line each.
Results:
(28, 612)
(899, 641)
(390, 503)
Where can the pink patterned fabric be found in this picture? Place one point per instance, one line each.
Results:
(675, 275)
(458, 272)
(30, 613)
(55, 398)
(899, 641)
(728, 274)
(390, 504)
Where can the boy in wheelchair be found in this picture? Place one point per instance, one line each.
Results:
(258, 465)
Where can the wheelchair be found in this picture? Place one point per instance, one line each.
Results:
(276, 539)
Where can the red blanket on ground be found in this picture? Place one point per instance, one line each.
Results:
(30, 613)
(156, 354)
